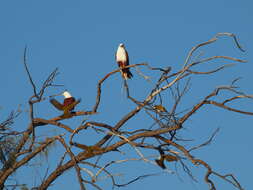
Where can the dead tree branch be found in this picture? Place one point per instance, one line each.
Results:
(162, 135)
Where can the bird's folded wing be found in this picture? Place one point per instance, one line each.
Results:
(56, 104)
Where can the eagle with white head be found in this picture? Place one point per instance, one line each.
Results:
(68, 105)
(123, 61)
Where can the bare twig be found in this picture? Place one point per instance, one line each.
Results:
(207, 142)
(28, 73)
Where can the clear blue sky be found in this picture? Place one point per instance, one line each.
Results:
(80, 38)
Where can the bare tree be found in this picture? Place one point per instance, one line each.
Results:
(160, 136)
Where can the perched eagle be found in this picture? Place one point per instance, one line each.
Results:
(68, 105)
(123, 61)
(165, 157)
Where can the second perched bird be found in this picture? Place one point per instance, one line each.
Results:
(68, 105)
(123, 61)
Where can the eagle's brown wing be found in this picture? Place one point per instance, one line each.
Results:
(56, 104)
(127, 73)
(127, 58)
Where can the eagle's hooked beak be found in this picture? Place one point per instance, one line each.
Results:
(55, 95)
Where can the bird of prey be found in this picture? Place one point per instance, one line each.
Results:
(123, 61)
(160, 162)
(165, 157)
(159, 108)
(68, 105)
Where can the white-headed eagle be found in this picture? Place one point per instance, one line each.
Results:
(123, 61)
(68, 105)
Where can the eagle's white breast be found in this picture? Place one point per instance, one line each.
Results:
(121, 54)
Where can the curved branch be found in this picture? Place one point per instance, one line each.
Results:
(228, 108)
(28, 73)
(41, 122)
(103, 79)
